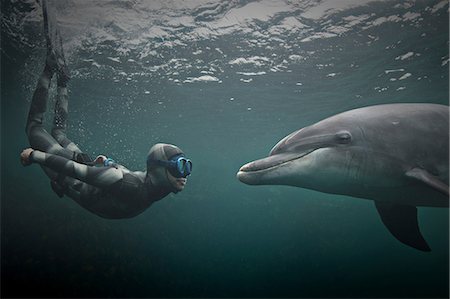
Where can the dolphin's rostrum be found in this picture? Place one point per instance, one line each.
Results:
(396, 155)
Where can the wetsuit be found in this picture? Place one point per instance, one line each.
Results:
(109, 191)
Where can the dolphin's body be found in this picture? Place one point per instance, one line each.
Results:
(396, 155)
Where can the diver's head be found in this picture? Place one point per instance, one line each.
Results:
(167, 167)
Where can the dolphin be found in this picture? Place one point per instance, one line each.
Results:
(395, 154)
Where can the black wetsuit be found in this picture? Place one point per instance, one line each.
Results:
(108, 191)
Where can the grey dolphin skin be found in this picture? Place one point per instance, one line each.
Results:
(396, 155)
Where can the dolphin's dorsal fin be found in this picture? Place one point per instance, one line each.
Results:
(401, 221)
(428, 179)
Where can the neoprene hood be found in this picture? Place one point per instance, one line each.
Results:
(158, 174)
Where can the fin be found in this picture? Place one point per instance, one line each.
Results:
(50, 28)
(428, 179)
(401, 221)
(55, 51)
(45, 16)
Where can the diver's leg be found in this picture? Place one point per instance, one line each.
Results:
(61, 113)
(60, 120)
(39, 101)
(38, 137)
(54, 44)
(60, 125)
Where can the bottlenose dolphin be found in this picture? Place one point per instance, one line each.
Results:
(396, 155)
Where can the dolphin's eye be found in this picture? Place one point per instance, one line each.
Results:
(343, 137)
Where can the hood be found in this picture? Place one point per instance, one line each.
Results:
(158, 174)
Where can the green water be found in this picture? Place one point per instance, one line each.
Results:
(219, 237)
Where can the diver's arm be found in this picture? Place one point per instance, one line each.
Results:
(97, 176)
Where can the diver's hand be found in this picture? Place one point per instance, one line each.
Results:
(25, 156)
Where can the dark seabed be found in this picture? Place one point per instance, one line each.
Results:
(224, 80)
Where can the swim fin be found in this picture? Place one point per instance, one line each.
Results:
(55, 52)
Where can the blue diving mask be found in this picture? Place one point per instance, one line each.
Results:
(178, 166)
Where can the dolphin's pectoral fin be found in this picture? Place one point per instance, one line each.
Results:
(428, 179)
(401, 221)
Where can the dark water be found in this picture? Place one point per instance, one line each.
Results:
(219, 237)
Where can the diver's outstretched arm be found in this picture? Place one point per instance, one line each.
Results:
(97, 176)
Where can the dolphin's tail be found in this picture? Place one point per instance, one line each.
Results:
(401, 221)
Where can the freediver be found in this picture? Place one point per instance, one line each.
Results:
(101, 186)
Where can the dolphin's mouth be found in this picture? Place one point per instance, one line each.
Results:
(273, 161)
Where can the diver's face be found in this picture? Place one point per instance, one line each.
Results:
(177, 183)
